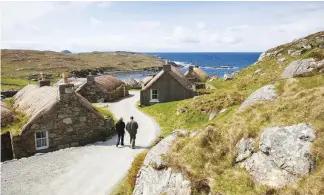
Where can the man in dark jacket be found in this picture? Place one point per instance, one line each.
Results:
(120, 128)
(131, 128)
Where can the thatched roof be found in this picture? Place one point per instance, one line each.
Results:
(35, 101)
(76, 81)
(176, 74)
(197, 74)
(132, 83)
(107, 83)
(32, 99)
(146, 80)
(7, 115)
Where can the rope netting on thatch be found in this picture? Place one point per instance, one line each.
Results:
(198, 74)
(7, 115)
(107, 83)
(132, 83)
(76, 81)
(33, 99)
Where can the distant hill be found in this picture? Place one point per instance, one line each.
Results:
(24, 63)
(66, 51)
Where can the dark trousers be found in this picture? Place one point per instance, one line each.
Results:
(120, 138)
(132, 139)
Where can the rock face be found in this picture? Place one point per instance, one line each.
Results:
(281, 60)
(298, 52)
(155, 179)
(228, 77)
(284, 156)
(245, 149)
(303, 67)
(265, 93)
(269, 54)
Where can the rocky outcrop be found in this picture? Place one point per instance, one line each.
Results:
(303, 67)
(265, 93)
(228, 77)
(298, 52)
(269, 54)
(281, 60)
(284, 155)
(245, 149)
(154, 178)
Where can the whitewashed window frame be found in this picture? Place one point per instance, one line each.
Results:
(47, 143)
(157, 95)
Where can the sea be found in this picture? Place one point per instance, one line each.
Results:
(213, 63)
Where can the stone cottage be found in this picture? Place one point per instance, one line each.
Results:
(58, 117)
(168, 85)
(103, 88)
(196, 75)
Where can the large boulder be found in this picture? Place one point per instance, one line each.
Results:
(284, 155)
(154, 178)
(303, 67)
(265, 93)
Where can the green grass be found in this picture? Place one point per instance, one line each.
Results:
(20, 119)
(208, 158)
(104, 111)
(127, 185)
(169, 119)
(14, 83)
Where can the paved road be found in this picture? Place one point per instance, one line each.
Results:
(89, 170)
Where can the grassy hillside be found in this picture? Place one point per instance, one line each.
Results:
(24, 65)
(207, 159)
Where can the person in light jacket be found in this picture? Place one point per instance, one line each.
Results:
(131, 128)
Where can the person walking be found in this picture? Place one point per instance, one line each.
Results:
(131, 128)
(120, 128)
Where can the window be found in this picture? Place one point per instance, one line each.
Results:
(154, 94)
(41, 138)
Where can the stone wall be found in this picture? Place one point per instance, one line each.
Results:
(69, 123)
(92, 93)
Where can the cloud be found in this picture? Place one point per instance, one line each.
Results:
(95, 21)
(201, 25)
(147, 25)
(104, 5)
(57, 25)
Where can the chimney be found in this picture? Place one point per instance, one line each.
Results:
(90, 78)
(65, 90)
(191, 69)
(43, 82)
(167, 68)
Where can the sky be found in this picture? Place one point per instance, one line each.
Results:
(157, 26)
